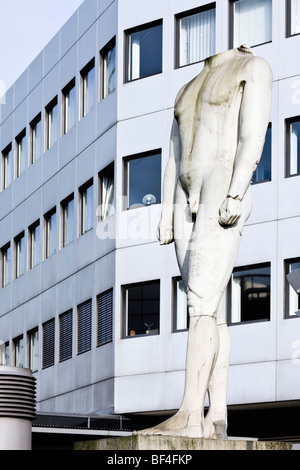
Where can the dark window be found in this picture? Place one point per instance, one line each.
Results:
(144, 179)
(293, 146)
(84, 327)
(292, 298)
(142, 303)
(144, 51)
(105, 317)
(263, 172)
(48, 343)
(65, 335)
(249, 294)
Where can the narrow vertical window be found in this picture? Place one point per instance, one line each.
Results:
(51, 123)
(252, 22)
(65, 335)
(20, 255)
(105, 317)
(19, 351)
(33, 349)
(144, 51)
(87, 88)
(293, 8)
(48, 343)
(263, 171)
(67, 208)
(196, 35)
(108, 68)
(6, 166)
(106, 192)
(21, 153)
(6, 264)
(36, 147)
(50, 233)
(84, 342)
(86, 207)
(293, 146)
(68, 107)
(181, 318)
(292, 298)
(34, 244)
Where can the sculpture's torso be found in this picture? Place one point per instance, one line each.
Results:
(207, 111)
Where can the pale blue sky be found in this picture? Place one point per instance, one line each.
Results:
(26, 26)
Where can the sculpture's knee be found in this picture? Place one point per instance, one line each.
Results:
(200, 306)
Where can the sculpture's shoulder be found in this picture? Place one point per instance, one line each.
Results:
(187, 94)
(257, 69)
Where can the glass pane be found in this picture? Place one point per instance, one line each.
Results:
(143, 309)
(294, 298)
(197, 37)
(20, 249)
(35, 246)
(34, 350)
(54, 131)
(145, 52)
(6, 266)
(7, 169)
(263, 171)
(109, 72)
(252, 22)
(250, 296)
(19, 351)
(89, 208)
(295, 148)
(144, 179)
(295, 17)
(71, 109)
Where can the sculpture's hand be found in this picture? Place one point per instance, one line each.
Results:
(165, 231)
(230, 212)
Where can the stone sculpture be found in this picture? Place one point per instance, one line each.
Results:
(220, 122)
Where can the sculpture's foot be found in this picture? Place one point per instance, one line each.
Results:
(182, 424)
(215, 423)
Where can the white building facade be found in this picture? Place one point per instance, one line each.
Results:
(89, 300)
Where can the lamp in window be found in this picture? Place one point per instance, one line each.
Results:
(149, 199)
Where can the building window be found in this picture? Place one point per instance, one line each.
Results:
(50, 233)
(86, 198)
(142, 307)
(20, 255)
(21, 153)
(67, 220)
(293, 146)
(143, 179)
(7, 166)
(48, 343)
(196, 35)
(36, 148)
(84, 327)
(105, 317)
(249, 294)
(33, 349)
(68, 107)
(19, 351)
(51, 123)
(293, 17)
(108, 68)
(251, 22)
(144, 51)
(6, 264)
(180, 306)
(106, 192)
(34, 244)
(65, 335)
(292, 299)
(263, 171)
(87, 101)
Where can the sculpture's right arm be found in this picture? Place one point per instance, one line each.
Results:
(165, 228)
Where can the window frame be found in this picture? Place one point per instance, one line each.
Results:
(7, 166)
(110, 46)
(48, 230)
(180, 16)
(48, 345)
(20, 255)
(254, 183)
(109, 173)
(105, 317)
(125, 333)
(19, 351)
(175, 281)
(5, 263)
(288, 288)
(231, 27)
(33, 349)
(229, 295)
(84, 326)
(51, 134)
(65, 107)
(127, 53)
(288, 124)
(289, 33)
(65, 221)
(33, 136)
(20, 153)
(32, 245)
(83, 204)
(66, 336)
(85, 106)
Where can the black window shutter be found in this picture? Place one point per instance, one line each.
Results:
(48, 343)
(84, 326)
(65, 338)
(105, 317)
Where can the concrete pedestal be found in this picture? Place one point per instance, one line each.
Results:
(140, 442)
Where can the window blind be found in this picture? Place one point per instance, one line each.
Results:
(105, 317)
(65, 338)
(48, 343)
(84, 326)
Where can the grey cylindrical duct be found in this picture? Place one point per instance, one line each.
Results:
(17, 408)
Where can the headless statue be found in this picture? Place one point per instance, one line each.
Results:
(220, 123)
